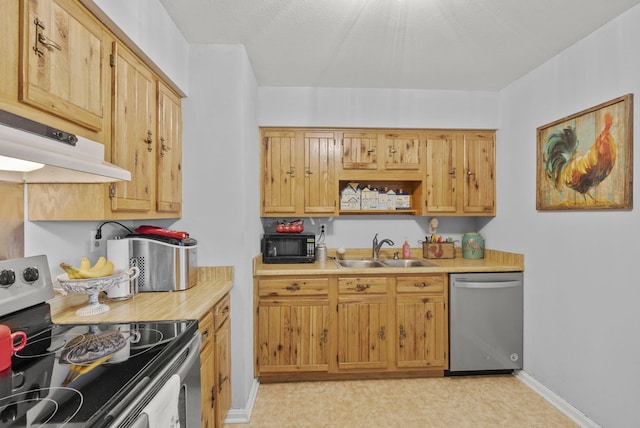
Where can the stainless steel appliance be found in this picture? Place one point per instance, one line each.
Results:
(485, 322)
(92, 375)
(288, 248)
(166, 264)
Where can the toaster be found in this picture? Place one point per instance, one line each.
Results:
(165, 264)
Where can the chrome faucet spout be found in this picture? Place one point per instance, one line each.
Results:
(377, 245)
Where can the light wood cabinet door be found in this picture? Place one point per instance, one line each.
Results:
(223, 372)
(280, 177)
(421, 331)
(460, 176)
(320, 185)
(402, 151)
(360, 150)
(441, 181)
(207, 370)
(133, 143)
(62, 67)
(293, 334)
(169, 152)
(479, 173)
(362, 331)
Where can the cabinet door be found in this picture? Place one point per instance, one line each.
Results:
(421, 331)
(207, 369)
(223, 372)
(479, 173)
(208, 391)
(320, 187)
(169, 152)
(402, 151)
(362, 324)
(133, 144)
(293, 335)
(279, 172)
(359, 150)
(62, 63)
(441, 189)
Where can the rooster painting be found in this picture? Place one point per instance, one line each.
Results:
(580, 173)
(585, 161)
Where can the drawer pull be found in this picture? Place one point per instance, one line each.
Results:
(225, 310)
(293, 287)
(205, 334)
(421, 284)
(362, 287)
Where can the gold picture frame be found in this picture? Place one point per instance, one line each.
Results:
(585, 161)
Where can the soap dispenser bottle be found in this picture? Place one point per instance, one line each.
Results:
(406, 249)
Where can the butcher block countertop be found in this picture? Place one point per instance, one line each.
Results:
(493, 261)
(213, 284)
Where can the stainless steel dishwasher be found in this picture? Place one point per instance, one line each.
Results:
(485, 322)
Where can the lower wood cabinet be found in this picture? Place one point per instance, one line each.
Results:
(215, 363)
(362, 323)
(315, 327)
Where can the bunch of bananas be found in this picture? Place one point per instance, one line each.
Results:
(103, 267)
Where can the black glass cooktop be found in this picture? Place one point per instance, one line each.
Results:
(77, 374)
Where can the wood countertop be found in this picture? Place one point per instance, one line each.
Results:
(493, 261)
(213, 284)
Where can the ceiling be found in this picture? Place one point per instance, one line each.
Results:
(410, 44)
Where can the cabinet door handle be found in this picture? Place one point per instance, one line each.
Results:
(292, 172)
(403, 332)
(43, 40)
(163, 146)
(452, 172)
(149, 141)
(205, 334)
(293, 287)
(469, 174)
(381, 333)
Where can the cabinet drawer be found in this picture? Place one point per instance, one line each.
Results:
(221, 311)
(205, 328)
(293, 287)
(363, 285)
(420, 284)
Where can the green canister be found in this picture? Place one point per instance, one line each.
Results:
(472, 246)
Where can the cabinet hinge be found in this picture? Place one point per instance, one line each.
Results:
(112, 60)
(112, 190)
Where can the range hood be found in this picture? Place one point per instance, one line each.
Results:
(51, 155)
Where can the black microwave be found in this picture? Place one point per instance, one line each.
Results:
(288, 248)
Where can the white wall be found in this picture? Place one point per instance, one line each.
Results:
(220, 184)
(581, 294)
(148, 25)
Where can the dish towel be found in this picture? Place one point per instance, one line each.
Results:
(162, 411)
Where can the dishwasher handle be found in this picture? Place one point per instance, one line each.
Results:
(486, 284)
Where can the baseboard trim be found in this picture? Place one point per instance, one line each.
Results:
(559, 403)
(243, 416)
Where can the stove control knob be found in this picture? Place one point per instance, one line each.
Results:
(30, 274)
(7, 277)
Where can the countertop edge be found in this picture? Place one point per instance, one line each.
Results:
(193, 303)
(493, 261)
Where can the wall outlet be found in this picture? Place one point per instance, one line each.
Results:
(323, 228)
(95, 244)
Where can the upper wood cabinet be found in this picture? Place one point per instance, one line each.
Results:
(133, 143)
(169, 152)
(142, 133)
(62, 61)
(402, 150)
(460, 174)
(360, 150)
(298, 173)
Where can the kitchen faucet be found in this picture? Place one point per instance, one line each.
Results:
(377, 245)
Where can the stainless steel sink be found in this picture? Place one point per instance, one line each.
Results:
(359, 264)
(377, 263)
(406, 263)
